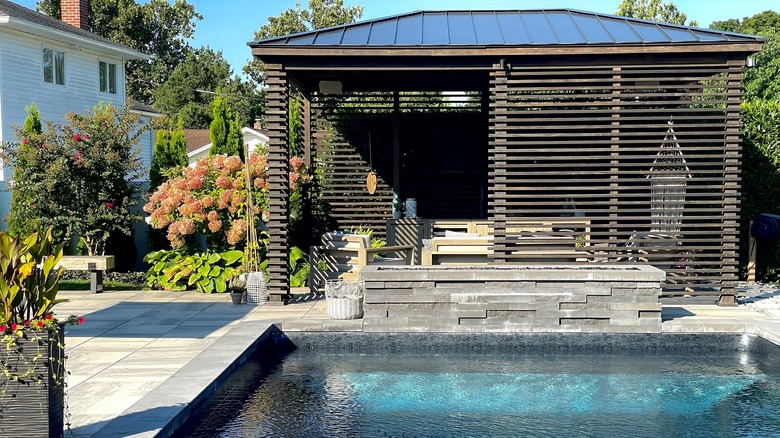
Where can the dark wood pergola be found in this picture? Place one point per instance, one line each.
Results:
(569, 113)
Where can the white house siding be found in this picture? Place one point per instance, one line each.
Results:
(21, 83)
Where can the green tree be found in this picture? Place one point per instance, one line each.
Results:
(170, 151)
(758, 24)
(654, 10)
(20, 222)
(78, 175)
(158, 28)
(225, 133)
(320, 14)
(763, 81)
(188, 92)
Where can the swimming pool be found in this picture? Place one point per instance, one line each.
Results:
(442, 386)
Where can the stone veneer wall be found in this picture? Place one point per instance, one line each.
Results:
(603, 298)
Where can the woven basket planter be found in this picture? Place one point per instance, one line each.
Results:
(344, 300)
(35, 409)
(256, 292)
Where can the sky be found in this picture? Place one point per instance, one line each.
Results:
(228, 25)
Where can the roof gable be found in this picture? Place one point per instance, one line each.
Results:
(503, 28)
(29, 21)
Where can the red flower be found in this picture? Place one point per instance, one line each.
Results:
(14, 326)
(76, 137)
(86, 137)
(27, 323)
(81, 320)
(49, 317)
(43, 145)
(109, 205)
(78, 155)
(25, 141)
(40, 324)
(3, 328)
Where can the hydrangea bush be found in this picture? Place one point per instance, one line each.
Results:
(210, 198)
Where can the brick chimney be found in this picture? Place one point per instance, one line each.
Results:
(258, 125)
(75, 13)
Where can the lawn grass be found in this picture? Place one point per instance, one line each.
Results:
(107, 285)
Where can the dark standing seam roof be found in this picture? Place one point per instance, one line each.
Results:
(504, 28)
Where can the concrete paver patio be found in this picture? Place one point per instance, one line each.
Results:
(143, 357)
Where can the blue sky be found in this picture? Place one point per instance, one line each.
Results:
(228, 24)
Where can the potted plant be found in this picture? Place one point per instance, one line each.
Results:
(237, 289)
(398, 208)
(33, 353)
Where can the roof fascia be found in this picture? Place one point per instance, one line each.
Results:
(71, 39)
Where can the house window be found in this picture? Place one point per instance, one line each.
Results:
(107, 72)
(53, 66)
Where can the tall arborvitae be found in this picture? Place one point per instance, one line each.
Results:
(159, 159)
(170, 151)
(225, 132)
(20, 223)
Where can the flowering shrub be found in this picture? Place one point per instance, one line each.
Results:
(211, 197)
(75, 177)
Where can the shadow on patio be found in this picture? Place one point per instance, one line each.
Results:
(154, 319)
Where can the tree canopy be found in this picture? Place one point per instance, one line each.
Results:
(654, 10)
(157, 28)
(202, 69)
(320, 14)
(763, 81)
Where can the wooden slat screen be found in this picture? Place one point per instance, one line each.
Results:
(645, 154)
(341, 135)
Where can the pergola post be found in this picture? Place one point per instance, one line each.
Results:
(730, 264)
(276, 101)
(497, 208)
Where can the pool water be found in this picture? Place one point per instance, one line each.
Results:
(632, 393)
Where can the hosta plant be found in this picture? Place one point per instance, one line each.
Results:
(208, 272)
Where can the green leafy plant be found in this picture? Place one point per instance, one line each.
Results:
(31, 282)
(299, 267)
(32, 350)
(375, 241)
(208, 272)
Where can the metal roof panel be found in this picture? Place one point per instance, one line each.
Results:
(409, 31)
(487, 29)
(435, 30)
(464, 23)
(382, 33)
(566, 30)
(357, 35)
(593, 28)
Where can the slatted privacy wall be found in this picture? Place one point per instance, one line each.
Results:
(645, 155)
(353, 134)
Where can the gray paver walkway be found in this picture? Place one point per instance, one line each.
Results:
(142, 357)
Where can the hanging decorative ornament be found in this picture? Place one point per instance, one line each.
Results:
(371, 177)
(371, 182)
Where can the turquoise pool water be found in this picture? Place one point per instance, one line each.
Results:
(637, 394)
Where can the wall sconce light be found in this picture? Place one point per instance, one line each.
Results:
(331, 87)
(751, 62)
